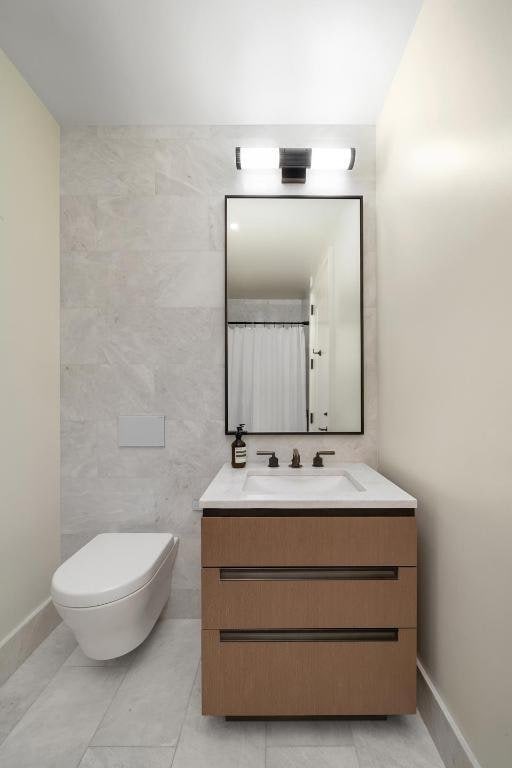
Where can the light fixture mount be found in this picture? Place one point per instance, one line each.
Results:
(294, 162)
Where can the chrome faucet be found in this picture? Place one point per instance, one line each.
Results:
(295, 460)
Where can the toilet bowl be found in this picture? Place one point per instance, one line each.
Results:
(111, 592)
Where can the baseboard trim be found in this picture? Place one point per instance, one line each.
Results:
(24, 639)
(446, 734)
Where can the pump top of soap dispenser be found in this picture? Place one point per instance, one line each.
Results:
(240, 431)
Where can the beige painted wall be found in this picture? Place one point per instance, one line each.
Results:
(29, 338)
(444, 154)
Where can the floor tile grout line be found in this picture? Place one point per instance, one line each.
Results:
(311, 746)
(308, 746)
(131, 746)
(187, 705)
(344, 744)
(352, 734)
(62, 666)
(118, 746)
(327, 747)
(126, 671)
(174, 750)
(357, 756)
(96, 666)
(50, 681)
(121, 681)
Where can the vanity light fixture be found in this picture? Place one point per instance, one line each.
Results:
(294, 162)
(257, 158)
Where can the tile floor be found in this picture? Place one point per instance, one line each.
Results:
(62, 710)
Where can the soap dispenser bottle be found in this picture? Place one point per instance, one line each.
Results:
(238, 449)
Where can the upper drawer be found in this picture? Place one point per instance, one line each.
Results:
(265, 541)
(286, 598)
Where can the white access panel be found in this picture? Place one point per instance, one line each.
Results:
(141, 431)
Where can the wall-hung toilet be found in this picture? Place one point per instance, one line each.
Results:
(111, 592)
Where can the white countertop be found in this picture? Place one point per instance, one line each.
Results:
(349, 485)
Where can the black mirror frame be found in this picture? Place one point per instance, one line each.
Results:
(227, 431)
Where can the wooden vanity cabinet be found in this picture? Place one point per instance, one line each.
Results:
(308, 613)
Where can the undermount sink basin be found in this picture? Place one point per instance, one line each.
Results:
(300, 485)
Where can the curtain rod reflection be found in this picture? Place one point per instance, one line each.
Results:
(266, 322)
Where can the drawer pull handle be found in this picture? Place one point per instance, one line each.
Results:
(307, 574)
(308, 635)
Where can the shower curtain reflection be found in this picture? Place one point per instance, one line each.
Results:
(267, 377)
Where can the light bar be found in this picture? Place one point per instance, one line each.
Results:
(335, 159)
(257, 158)
(293, 162)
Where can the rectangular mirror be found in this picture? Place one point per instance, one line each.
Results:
(294, 333)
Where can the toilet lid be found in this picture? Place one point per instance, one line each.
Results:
(111, 566)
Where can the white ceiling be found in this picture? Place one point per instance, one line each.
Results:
(279, 242)
(158, 62)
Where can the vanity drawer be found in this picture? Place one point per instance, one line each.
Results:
(308, 541)
(321, 597)
(291, 677)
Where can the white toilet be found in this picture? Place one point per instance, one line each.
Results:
(112, 591)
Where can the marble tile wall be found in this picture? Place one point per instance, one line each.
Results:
(142, 276)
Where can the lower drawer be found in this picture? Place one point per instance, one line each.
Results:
(280, 674)
(321, 597)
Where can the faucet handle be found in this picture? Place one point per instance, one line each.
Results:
(273, 461)
(318, 461)
(295, 460)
